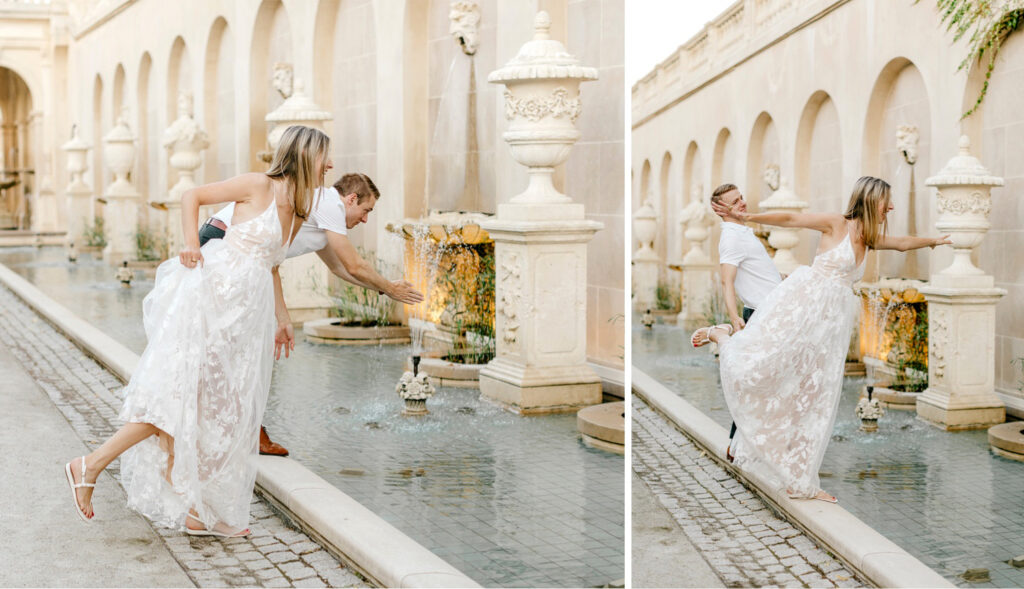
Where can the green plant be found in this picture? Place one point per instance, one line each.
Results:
(149, 246)
(909, 352)
(95, 235)
(666, 297)
(356, 305)
(468, 281)
(714, 310)
(989, 30)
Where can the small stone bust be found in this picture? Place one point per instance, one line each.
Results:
(124, 274)
(647, 319)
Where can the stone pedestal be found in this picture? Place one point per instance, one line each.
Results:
(121, 214)
(696, 266)
(79, 194)
(961, 359)
(185, 141)
(962, 305)
(646, 264)
(540, 241)
(541, 319)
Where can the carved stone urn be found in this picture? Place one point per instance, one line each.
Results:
(185, 141)
(696, 265)
(962, 304)
(784, 239)
(79, 194)
(121, 199)
(645, 259)
(541, 238)
(298, 109)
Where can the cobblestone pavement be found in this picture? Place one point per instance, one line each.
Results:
(745, 543)
(276, 554)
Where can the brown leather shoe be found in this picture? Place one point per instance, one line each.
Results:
(268, 447)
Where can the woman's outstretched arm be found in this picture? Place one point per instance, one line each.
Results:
(905, 243)
(824, 222)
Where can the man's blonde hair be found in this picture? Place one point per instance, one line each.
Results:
(359, 184)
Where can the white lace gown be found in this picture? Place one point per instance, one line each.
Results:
(783, 373)
(204, 378)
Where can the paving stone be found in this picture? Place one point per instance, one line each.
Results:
(282, 557)
(271, 573)
(311, 582)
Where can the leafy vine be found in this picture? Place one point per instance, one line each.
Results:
(990, 22)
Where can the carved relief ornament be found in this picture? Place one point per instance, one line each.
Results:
(534, 109)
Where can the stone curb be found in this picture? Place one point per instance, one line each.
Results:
(353, 532)
(863, 549)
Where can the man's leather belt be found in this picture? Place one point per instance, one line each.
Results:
(217, 223)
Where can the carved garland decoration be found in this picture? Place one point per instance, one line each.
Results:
(534, 109)
(510, 273)
(976, 204)
(937, 344)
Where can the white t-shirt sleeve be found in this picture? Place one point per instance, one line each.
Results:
(730, 252)
(329, 212)
(225, 214)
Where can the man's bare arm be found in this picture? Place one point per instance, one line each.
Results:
(330, 259)
(728, 272)
(364, 272)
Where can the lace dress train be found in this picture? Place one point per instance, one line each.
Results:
(203, 379)
(782, 374)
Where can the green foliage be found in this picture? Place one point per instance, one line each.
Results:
(909, 352)
(988, 29)
(149, 246)
(666, 297)
(356, 305)
(469, 282)
(95, 235)
(714, 310)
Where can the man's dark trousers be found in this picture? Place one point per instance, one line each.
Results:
(747, 313)
(208, 232)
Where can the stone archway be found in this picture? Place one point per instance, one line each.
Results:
(219, 104)
(17, 166)
(764, 150)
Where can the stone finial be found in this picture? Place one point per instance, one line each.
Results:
(906, 142)
(542, 26)
(464, 24)
(771, 176)
(283, 78)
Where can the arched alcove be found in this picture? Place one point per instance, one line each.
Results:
(723, 163)
(900, 99)
(219, 104)
(645, 184)
(16, 102)
(148, 170)
(693, 172)
(99, 127)
(818, 165)
(666, 244)
(764, 150)
(179, 76)
(271, 44)
(118, 94)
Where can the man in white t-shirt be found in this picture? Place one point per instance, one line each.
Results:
(336, 209)
(747, 270)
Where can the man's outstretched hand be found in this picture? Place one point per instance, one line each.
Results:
(403, 291)
(284, 339)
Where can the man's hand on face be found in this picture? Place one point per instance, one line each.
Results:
(404, 292)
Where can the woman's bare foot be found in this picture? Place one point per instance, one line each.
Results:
(706, 335)
(83, 495)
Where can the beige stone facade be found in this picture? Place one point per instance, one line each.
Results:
(829, 91)
(389, 72)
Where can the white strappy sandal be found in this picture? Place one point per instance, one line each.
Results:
(73, 485)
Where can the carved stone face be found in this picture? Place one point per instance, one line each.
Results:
(771, 176)
(464, 17)
(906, 142)
(283, 79)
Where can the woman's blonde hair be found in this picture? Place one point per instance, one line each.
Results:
(868, 192)
(298, 153)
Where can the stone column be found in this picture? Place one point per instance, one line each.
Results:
(541, 241)
(45, 216)
(962, 305)
(305, 278)
(784, 239)
(645, 259)
(121, 217)
(79, 194)
(696, 266)
(186, 141)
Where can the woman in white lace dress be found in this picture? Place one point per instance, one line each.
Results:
(195, 401)
(783, 373)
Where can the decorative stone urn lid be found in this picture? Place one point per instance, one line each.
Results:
(542, 58)
(964, 168)
(645, 212)
(298, 107)
(75, 143)
(120, 133)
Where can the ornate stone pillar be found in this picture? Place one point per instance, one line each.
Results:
(541, 241)
(185, 141)
(45, 216)
(645, 259)
(962, 305)
(784, 239)
(121, 216)
(305, 278)
(79, 194)
(696, 266)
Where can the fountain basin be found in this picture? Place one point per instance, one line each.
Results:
(1007, 440)
(331, 331)
(893, 399)
(444, 373)
(603, 426)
